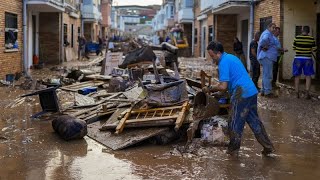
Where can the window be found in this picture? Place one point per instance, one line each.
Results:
(298, 30)
(65, 35)
(264, 22)
(11, 31)
(72, 34)
(171, 12)
(211, 36)
(195, 36)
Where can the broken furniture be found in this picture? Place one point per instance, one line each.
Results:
(174, 115)
(48, 100)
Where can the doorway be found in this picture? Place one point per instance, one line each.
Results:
(318, 49)
(244, 37)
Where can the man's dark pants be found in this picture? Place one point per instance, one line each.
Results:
(245, 110)
(275, 71)
(255, 67)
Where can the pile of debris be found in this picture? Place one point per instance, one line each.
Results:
(132, 99)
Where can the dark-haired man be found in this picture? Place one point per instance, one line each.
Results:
(234, 78)
(303, 45)
(255, 65)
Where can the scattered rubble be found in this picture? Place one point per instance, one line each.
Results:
(132, 95)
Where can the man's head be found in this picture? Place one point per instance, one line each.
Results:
(306, 30)
(215, 50)
(272, 27)
(276, 31)
(257, 36)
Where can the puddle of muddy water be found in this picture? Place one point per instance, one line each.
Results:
(29, 149)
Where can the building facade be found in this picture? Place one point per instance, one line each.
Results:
(53, 28)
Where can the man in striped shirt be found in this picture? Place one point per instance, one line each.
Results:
(303, 45)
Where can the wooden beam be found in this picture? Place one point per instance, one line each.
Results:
(150, 119)
(122, 122)
(182, 115)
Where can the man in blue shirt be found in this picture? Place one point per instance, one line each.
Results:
(234, 78)
(267, 56)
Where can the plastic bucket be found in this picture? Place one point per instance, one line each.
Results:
(10, 77)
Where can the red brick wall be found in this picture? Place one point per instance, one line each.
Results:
(49, 37)
(106, 12)
(265, 9)
(10, 62)
(226, 30)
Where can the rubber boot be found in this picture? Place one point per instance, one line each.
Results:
(264, 140)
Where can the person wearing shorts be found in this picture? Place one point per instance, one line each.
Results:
(303, 45)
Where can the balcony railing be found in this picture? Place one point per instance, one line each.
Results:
(205, 4)
(72, 3)
(217, 3)
(57, 2)
(90, 11)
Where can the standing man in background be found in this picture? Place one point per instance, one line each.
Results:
(303, 45)
(267, 56)
(255, 66)
(281, 50)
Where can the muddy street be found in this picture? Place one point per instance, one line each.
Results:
(29, 148)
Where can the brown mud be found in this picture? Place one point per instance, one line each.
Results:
(29, 148)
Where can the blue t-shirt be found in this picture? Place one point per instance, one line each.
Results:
(231, 70)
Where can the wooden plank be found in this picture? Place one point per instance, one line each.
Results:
(128, 121)
(122, 122)
(155, 109)
(84, 111)
(182, 116)
(76, 87)
(168, 122)
(126, 139)
(114, 117)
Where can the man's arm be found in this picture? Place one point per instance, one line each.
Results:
(221, 86)
(264, 42)
(314, 46)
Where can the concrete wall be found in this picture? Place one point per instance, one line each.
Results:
(10, 62)
(240, 18)
(49, 37)
(296, 13)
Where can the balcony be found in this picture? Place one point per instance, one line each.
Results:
(90, 13)
(230, 6)
(185, 14)
(46, 5)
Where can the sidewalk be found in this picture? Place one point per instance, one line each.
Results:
(314, 89)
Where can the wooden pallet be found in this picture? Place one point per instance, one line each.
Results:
(155, 116)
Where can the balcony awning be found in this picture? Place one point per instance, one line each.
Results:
(232, 8)
(45, 6)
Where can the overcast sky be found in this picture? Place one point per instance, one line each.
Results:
(136, 2)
